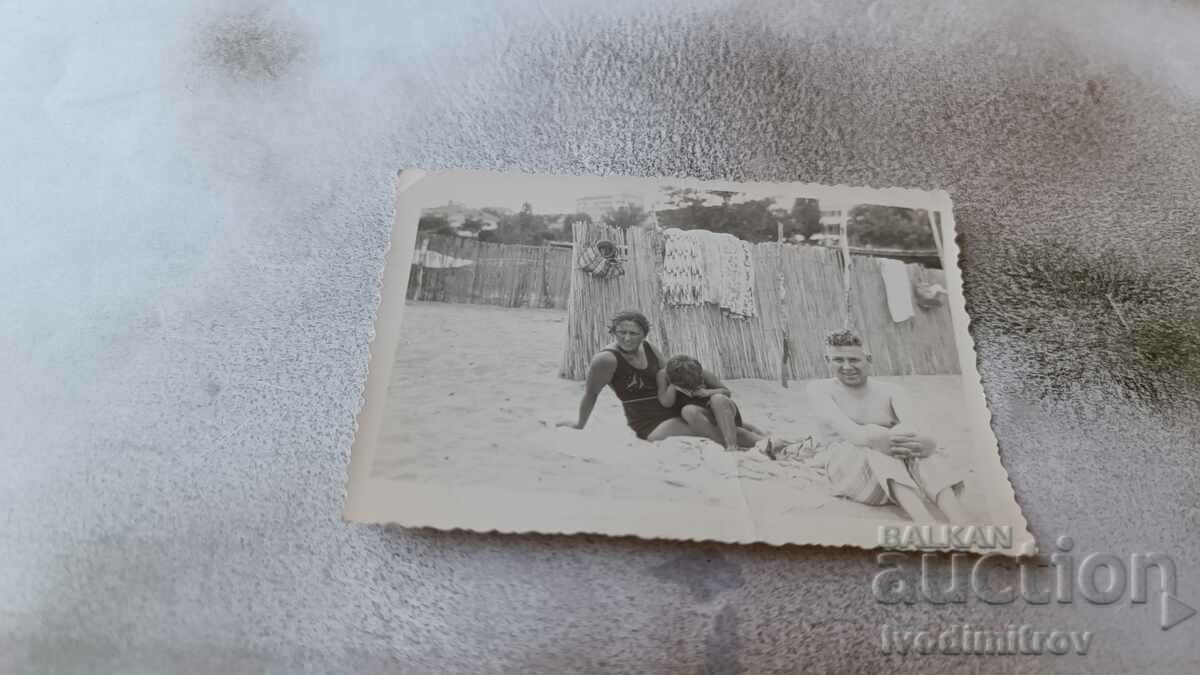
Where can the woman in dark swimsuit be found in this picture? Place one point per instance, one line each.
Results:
(630, 366)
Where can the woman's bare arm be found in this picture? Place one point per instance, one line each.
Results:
(666, 392)
(600, 373)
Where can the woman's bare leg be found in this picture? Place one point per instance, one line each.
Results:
(701, 423)
(704, 424)
(672, 427)
(747, 438)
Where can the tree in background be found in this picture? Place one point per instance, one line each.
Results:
(626, 217)
(435, 225)
(568, 229)
(755, 220)
(524, 227)
(489, 236)
(472, 225)
(724, 195)
(525, 223)
(805, 217)
(570, 219)
(890, 227)
(689, 206)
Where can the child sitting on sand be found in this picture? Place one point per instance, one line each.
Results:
(704, 403)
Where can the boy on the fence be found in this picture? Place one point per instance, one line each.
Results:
(704, 403)
(876, 455)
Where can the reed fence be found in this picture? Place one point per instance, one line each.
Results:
(508, 275)
(753, 347)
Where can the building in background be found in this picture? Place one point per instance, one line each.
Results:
(833, 222)
(597, 206)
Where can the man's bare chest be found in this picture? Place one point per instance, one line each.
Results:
(873, 408)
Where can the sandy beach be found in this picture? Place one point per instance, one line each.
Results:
(475, 394)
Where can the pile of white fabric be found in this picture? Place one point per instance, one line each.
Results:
(700, 266)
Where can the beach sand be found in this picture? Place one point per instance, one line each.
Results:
(475, 394)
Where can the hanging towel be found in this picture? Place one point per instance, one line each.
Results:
(700, 266)
(714, 263)
(898, 288)
(748, 307)
(737, 277)
(682, 273)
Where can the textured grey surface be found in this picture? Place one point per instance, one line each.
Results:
(195, 209)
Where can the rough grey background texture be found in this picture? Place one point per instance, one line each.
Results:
(196, 208)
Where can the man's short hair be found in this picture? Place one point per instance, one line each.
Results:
(843, 338)
(685, 372)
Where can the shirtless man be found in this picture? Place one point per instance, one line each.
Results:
(875, 455)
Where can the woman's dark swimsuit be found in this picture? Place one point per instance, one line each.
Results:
(682, 399)
(638, 390)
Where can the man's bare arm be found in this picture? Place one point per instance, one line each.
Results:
(912, 438)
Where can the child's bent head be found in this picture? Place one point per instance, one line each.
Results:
(686, 372)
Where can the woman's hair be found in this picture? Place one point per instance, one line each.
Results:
(630, 315)
(685, 371)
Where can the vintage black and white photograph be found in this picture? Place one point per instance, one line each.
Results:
(742, 362)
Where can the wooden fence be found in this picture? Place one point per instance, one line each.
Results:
(508, 275)
(753, 348)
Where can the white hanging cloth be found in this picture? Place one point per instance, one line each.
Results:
(898, 288)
